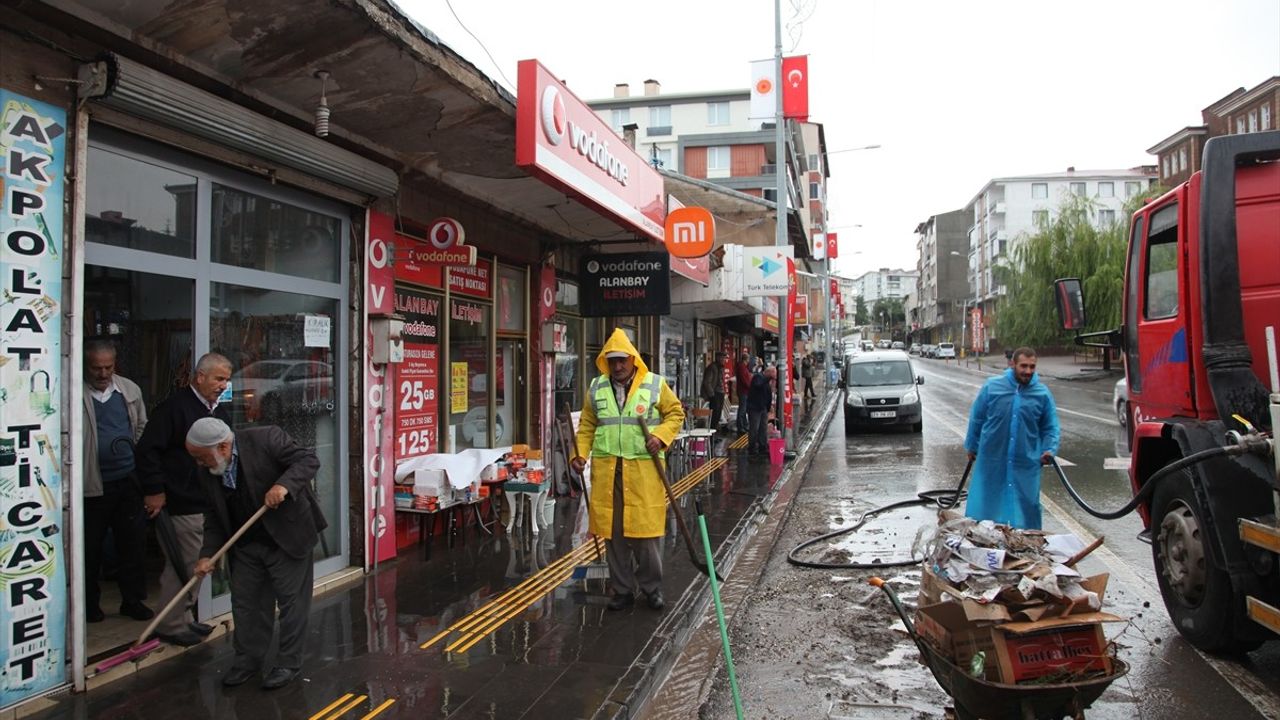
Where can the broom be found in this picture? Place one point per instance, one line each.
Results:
(144, 646)
(590, 571)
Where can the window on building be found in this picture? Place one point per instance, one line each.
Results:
(1266, 117)
(664, 158)
(1040, 218)
(1239, 126)
(1253, 121)
(621, 116)
(1164, 167)
(1106, 218)
(1039, 191)
(660, 116)
(718, 158)
(718, 113)
(813, 163)
(1078, 188)
(814, 191)
(1182, 159)
(1132, 188)
(1106, 189)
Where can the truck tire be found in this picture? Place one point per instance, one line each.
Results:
(1197, 594)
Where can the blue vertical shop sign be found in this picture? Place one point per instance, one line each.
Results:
(33, 572)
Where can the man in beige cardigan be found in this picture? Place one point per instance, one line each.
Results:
(114, 417)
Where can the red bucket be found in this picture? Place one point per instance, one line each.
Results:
(777, 446)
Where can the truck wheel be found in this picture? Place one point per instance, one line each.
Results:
(1196, 593)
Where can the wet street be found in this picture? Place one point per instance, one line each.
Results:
(821, 643)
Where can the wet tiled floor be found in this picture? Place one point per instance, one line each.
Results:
(545, 649)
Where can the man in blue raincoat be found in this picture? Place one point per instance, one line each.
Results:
(1013, 430)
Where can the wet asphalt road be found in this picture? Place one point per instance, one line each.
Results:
(797, 661)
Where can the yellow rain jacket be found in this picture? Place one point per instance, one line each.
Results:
(607, 436)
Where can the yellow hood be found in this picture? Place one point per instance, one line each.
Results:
(619, 342)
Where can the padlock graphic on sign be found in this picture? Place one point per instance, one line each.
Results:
(41, 400)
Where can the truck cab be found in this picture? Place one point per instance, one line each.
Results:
(1201, 301)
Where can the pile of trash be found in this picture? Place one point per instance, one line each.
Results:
(1029, 572)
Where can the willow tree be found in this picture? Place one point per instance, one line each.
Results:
(1071, 245)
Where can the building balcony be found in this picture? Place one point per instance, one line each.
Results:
(996, 209)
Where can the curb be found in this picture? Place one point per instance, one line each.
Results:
(655, 661)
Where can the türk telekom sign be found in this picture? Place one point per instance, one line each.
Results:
(562, 141)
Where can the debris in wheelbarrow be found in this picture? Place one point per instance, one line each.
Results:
(1025, 571)
(978, 697)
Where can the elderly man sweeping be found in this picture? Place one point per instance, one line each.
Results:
(631, 513)
(1013, 430)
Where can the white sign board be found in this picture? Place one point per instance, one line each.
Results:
(315, 331)
(764, 270)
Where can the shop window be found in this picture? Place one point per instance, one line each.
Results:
(468, 375)
(596, 332)
(512, 308)
(282, 351)
(139, 205)
(567, 297)
(568, 379)
(265, 234)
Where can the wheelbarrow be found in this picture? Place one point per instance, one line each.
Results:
(977, 697)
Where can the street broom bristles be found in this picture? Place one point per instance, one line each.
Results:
(134, 653)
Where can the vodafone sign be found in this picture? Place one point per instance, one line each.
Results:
(562, 141)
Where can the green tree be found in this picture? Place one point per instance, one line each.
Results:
(859, 311)
(1072, 245)
(889, 312)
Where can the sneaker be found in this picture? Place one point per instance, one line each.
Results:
(655, 600)
(137, 611)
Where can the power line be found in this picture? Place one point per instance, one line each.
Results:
(482, 46)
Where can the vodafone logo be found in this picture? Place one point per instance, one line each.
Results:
(548, 297)
(593, 267)
(554, 120)
(445, 233)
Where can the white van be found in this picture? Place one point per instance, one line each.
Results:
(946, 350)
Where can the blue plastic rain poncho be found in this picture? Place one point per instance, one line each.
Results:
(1010, 427)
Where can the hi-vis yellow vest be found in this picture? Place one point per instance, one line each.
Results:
(618, 434)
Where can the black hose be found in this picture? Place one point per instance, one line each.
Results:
(938, 498)
(1147, 488)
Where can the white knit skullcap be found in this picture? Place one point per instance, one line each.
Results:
(207, 432)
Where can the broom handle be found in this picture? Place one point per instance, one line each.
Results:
(173, 602)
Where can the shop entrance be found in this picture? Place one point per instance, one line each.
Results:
(184, 257)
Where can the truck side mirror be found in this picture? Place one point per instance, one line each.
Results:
(919, 379)
(1069, 297)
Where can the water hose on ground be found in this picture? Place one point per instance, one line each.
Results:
(942, 499)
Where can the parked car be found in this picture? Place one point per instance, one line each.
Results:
(883, 345)
(1120, 402)
(914, 349)
(881, 390)
(897, 345)
(946, 350)
(267, 390)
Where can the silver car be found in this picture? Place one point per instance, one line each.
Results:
(881, 390)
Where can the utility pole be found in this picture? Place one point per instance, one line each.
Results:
(780, 236)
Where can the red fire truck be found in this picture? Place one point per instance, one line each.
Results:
(1201, 309)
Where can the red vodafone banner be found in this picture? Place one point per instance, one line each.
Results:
(562, 141)
(795, 87)
(379, 468)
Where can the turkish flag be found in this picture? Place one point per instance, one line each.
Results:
(833, 249)
(795, 87)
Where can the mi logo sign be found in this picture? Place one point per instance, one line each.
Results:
(690, 232)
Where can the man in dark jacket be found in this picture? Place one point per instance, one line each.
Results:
(759, 401)
(271, 564)
(168, 477)
(743, 372)
(713, 387)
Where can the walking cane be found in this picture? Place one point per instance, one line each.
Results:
(698, 562)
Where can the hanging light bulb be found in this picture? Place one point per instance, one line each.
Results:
(322, 109)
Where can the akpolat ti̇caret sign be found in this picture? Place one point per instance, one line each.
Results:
(560, 140)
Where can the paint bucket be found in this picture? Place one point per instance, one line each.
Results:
(777, 446)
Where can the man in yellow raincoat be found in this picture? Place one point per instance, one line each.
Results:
(629, 504)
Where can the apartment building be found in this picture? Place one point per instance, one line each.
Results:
(1241, 111)
(942, 281)
(884, 283)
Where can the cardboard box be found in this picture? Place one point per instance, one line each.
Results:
(430, 482)
(1028, 651)
(1015, 651)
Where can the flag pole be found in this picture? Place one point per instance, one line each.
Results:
(780, 236)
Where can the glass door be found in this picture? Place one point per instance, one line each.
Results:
(510, 394)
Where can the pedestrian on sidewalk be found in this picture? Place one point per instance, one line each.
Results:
(713, 387)
(271, 564)
(758, 404)
(806, 372)
(609, 432)
(1013, 430)
(169, 482)
(744, 376)
(114, 417)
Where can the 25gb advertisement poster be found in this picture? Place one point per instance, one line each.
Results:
(417, 379)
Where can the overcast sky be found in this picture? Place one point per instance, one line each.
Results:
(956, 93)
